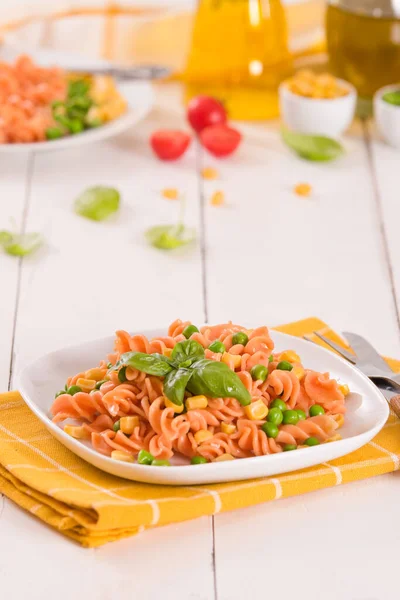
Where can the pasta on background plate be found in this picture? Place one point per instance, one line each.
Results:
(214, 394)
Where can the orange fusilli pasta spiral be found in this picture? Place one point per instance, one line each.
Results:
(128, 413)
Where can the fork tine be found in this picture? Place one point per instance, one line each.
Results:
(347, 355)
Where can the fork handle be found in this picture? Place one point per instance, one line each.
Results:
(394, 404)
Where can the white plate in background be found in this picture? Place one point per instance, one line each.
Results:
(138, 94)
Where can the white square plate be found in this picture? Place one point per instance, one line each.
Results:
(367, 412)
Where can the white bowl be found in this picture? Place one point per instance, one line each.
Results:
(387, 116)
(367, 411)
(329, 117)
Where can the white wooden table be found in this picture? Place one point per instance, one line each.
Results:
(269, 256)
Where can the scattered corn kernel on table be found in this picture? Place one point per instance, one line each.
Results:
(266, 254)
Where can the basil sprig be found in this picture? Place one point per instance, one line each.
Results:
(188, 369)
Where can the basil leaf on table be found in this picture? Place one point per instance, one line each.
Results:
(392, 97)
(152, 364)
(20, 244)
(187, 352)
(217, 380)
(312, 147)
(175, 384)
(97, 203)
(169, 237)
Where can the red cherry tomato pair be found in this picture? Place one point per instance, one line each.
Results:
(208, 118)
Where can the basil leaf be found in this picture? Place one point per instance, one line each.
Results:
(97, 203)
(21, 244)
(187, 352)
(175, 385)
(312, 147)
(217, 380)
(169, 237)
(152, 364)
(392, 97)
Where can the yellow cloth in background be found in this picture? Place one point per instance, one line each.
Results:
(93, 507)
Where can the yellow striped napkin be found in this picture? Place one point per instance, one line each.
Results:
(93, 508)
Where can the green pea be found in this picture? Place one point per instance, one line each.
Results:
(311, 441)
(122, 375)
(53, 133)
(145, 458)
(259, 372)
(74, 389)
(316, 410)
(275, 416)
(217, 346)
(75, 126)
(240, 338)
(100, 383)
(271, 359)
(284, 365)
(117, 425)
(189, 330)
(270, 429)
(278, 403)
(198, 460)
(288, 447)
(302, 414)
(290, 417)
(109, 365)
(60, 392)
(158, 462)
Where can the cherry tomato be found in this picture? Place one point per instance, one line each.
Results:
(204, 111)
(220, 140)
(169, 144)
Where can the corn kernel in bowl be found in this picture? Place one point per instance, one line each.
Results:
(321, 86)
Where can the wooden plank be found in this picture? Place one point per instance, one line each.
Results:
(90, 279)
(272, 257)
(13, 175)
(145, 565)
(384, 164)
(321, 541)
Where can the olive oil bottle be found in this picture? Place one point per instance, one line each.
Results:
(363, 38)
(239, 54)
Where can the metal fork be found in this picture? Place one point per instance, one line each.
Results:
(365, 358)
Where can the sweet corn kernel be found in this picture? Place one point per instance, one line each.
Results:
(97, 374)
(209, 173)
(344, 388)
(312, 85)
(302, 189)
(217, 199)
(120, 455)
(256, 410)
(228, 428)
(170, 193)
(339, 420)
(290, 355)
(86, 385)
(177, 408)
(224, 457)
(202, 436)
(299, 372)
(334, 438)
(128, 424)
(167, 352)
(196, 402)
(78, 433)
(232, 360)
